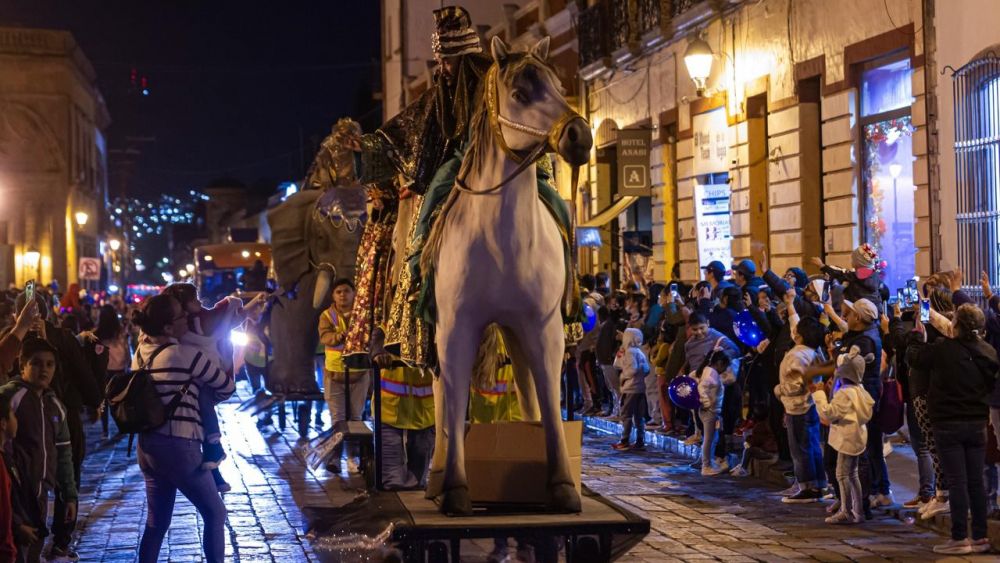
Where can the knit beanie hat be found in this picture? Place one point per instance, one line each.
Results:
(864, 259)
(851, 366)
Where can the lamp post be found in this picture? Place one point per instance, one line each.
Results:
(81, 218)
(698, 60)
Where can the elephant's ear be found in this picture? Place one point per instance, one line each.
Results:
(289, 223)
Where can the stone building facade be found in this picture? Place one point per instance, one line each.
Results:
(822, 125)
(52, 157)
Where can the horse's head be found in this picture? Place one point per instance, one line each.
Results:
(527, 106)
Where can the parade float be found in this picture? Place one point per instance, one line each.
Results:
(464, 265)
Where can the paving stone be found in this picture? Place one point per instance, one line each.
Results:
(692, 518)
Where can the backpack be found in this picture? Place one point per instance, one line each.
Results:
(134, 402)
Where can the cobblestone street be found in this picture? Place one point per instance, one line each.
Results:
(693, 518)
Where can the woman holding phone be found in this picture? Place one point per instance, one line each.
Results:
(962, 374)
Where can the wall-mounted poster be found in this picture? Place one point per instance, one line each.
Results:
(711, 142)
(711, 207)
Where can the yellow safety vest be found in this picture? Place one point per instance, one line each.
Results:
(335, 354)
(255, 352)
(497, 404)
(407, 397)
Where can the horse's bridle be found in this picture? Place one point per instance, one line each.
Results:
(498, 122)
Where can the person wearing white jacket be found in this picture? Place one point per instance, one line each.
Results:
(634, 367)
(801, 419)
(711, 393)
(847, 413)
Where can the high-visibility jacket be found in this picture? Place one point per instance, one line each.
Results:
(498, 403)
(255, 352)
(328, 321)
(407, 397)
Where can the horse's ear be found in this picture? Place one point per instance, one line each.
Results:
(541, 49)
(499, 50)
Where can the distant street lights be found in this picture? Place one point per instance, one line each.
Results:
(81, 218)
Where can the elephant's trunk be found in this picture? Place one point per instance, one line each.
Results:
(323, 282)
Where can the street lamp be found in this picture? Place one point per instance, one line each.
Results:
(32, 257)
(698, 60)
(81, 218)
(115, 244)
(189, 268)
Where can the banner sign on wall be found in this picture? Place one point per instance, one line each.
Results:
(90, 269)
(633, 162)
(711, 207)
(711, 142)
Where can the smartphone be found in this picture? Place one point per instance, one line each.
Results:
(901, 298)
(911, 289)
(925, 310)
(29, 292)
(826, 293)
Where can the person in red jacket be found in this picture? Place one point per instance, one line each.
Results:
(8, 430)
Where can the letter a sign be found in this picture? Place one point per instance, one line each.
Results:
(633, 162)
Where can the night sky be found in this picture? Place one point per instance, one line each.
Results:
(235, 88)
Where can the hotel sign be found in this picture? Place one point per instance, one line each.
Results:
(633, 162)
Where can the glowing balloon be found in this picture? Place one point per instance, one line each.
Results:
(589, 318)
(683, 391)
(746, 329)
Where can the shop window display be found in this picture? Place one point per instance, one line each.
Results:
(888, 198)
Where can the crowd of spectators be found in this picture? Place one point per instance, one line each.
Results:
(813, 372)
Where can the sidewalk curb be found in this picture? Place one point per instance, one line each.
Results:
(766, 471)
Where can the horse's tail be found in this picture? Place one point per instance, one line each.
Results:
(484, 371)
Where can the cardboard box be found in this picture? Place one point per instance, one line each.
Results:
(505, 462)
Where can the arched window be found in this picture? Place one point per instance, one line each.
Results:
(977, 166)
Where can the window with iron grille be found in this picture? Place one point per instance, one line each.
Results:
(977, 167)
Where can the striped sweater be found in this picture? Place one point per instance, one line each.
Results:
(171, 369)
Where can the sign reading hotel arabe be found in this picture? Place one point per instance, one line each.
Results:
(633, 162)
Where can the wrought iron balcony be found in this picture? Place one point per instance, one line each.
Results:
(593, 34)
(618, 27)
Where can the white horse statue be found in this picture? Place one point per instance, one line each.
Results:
(498, 259)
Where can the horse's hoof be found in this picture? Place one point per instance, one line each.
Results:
(435, 484)
(456, 502)
(564, 498)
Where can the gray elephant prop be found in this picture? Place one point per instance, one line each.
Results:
(311, 244)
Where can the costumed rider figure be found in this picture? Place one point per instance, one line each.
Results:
(426, 141)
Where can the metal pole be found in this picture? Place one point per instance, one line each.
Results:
(376, 380)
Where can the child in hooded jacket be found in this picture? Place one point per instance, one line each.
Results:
(848, 412)
(711, 392)
(634, 367)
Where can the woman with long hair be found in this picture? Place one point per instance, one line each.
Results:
(963, 371)
(919, 381)
(107, 347)
(170, 456)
